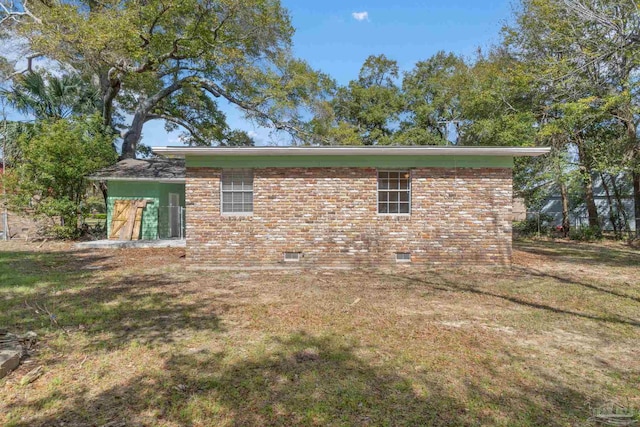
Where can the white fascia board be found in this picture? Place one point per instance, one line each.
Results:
(181, 152)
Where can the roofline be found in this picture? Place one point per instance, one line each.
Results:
(181, 152)
(120, 178)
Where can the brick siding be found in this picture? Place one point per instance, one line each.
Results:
(458, 216)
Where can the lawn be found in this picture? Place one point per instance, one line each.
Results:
(142, 342)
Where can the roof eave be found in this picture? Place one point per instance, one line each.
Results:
(119, 178)
(181, 152)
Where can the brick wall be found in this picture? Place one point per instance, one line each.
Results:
(458, 216)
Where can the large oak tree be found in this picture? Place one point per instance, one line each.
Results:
(174, 60)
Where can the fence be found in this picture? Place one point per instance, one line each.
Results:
(171, 222)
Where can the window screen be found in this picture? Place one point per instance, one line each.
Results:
(237, 191)
(394, 192)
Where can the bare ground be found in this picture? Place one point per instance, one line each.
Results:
(546, 342)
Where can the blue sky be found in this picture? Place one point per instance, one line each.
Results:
(337, 36)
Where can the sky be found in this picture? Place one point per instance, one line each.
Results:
(336, 36)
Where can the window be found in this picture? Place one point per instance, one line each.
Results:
(237, 191)
(394, 192)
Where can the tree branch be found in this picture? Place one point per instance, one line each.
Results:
(29, 68)
(182, 123)
(15, 15)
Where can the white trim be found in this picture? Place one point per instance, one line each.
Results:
(180, 152)
(243, 213)
(378, 192)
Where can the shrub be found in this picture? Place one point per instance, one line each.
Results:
(49, 180)
(529, 227)
(585, 233)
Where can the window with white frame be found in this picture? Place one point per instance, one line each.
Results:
(394, 192)
(237, 191)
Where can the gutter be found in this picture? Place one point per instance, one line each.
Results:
(181, 152)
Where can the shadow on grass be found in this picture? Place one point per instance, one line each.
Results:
(441, 283)
(581, 253)
(307, 380)
(110, 311)
(571, 281)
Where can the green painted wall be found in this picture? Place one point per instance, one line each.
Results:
(350, 161)
(157, 196)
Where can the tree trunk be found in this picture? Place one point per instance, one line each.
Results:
(587, 184)
(612, 217)
(110, 86)
(592, 209)
(566, 223)
(636, 200)
(133, 135)
(621, 207)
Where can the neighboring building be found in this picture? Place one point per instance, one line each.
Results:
(145, 199)
(265, 207)
(578, 216)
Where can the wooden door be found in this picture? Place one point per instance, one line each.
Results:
(119, 218)
(126, 221)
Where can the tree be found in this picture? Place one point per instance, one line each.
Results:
(432, 92)
(50, 178)
(587, 50)
(366, 110)
(498, 102)
(173, 60)
(238, 138)
(43, 96)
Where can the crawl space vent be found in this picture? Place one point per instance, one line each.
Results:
(403, 257)
(292, 256)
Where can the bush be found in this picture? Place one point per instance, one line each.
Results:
(585, 233)
(49, 180)
(529, 227)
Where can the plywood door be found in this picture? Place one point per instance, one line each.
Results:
(119, 218)
(126, 221)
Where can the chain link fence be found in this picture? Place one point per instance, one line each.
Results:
(171, 222)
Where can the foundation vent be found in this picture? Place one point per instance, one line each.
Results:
(403, 256)
(292, 256)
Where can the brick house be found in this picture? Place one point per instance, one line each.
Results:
(270, 207)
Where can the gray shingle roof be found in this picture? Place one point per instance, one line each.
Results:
(143, 170)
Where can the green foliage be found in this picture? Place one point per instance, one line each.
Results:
(585, 233)
(237, 138)
(536, 225)
(173, 60)
(50, 179)
(433, 92)
(43, 96)
(366, 109)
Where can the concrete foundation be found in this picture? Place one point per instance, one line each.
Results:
(118, 244)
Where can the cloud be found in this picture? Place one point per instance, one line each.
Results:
(360, 16)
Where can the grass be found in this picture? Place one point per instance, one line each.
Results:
(148, 343)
